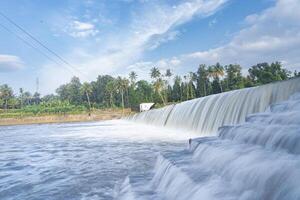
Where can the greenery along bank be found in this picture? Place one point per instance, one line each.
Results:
(164, 88)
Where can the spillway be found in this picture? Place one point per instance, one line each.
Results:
(205, 115)
(254, 160)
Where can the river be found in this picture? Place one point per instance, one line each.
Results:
(78, 160)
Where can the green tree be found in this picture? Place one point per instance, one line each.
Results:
(132, 78)
(263, 73)
(176, 90)
(27, 98)
(219, 73)
(168, 75)
(6, 93)
(86, 91)
(234, 79)
(110, 89)
(122, 85)
(159, 85)
(99, 89)
(36, 98)
(74, 91)
(155, 73)
(202, 80)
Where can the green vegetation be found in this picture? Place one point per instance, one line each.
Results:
(121, 92)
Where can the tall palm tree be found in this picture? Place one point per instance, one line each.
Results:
(211, 72)
(168, 73)
(120, 87)
(87, 90)
(132, 77)
(219, 72)
(110, 88)
(126, 88)
(202, 77)
(155, 73)
(159, 87)
(186, 82)
(168, 76)
(191, 79)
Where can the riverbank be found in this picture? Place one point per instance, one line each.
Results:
(97, 115)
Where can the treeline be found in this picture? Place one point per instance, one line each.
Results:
(164, 88)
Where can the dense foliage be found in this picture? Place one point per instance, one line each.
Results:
(164, 88)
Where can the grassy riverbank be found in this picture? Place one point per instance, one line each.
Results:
(18, 118)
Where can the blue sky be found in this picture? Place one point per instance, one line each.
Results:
(118, 36)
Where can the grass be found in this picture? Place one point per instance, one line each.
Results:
(14, 117)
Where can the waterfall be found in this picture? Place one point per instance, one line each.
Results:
(205, 115)
(257, 159)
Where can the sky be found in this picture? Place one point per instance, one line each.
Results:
(98, 37)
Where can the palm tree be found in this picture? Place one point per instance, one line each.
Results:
(219, 72)
(191, 79)
(126, 89)
(132, 77)
(168, 73)
(110, 89)
(202, 76)
(155, 73)
(211, 72)
(120, 89)
(159, 87)
(87, 90)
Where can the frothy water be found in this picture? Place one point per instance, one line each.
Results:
(205, 115)
(83, 161)
(255, 160)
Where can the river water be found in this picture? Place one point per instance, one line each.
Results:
(79, 160)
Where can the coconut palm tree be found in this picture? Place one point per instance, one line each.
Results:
(86, 89)
(155, 73)
(120, 87)
(169, 73)
(110, 88)
(159, 85)
(132, 77)
(219, 72)
(191, 79)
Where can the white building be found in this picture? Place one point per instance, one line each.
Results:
(146, 106)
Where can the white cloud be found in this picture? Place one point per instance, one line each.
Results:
(273, 35)
(149, 28)
(79, 29)
(10, 63)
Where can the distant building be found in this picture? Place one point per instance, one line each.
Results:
(146, 106)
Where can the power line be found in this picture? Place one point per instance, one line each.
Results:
(29, 44)
(41, 44)
(44, 46)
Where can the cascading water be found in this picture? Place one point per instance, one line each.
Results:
(257, 159)
(205, 115)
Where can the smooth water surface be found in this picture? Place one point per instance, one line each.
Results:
(78, 160)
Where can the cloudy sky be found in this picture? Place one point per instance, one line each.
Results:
(118, 36)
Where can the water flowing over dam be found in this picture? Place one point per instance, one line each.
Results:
(257, 159)
(205, 115)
